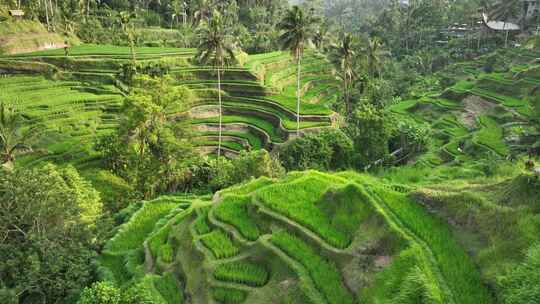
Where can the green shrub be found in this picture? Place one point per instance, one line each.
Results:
(370, 130)
(242, 273)
(328, 150)
(413, 137)
(100, 293)
(406, 281)
(144, 292)
(228, 295)
(246, 166)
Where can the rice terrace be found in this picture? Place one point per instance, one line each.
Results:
(280, 152)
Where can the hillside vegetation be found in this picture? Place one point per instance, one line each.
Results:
(255, 152)
(249, 245)
(25, 36)
(259, 100)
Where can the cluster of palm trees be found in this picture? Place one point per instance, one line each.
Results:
(299, 29)
(216, 48)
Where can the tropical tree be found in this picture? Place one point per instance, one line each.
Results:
(217, 50)
(13, 139)
(203, 12)
(298, 30)
(374, 56)
(126, 23)
(322, 39)
(152, 149)
(48, 221)
(342, 56)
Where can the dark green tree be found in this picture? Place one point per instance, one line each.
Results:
(153, 149)
(342, 56)
(47, 229)
(375, 54)
(370, 131)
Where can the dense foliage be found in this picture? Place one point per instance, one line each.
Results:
(327, 150)
(195, 126)
(48, 220)
(152, 149)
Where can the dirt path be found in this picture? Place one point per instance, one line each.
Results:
(474, 106)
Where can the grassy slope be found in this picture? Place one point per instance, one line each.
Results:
(25, 36)
(355, 206)
(84, 91)
(474, 118)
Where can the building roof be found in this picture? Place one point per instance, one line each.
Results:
(16, 13)
(499, 25)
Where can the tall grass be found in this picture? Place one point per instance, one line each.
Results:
(233, 210)
(322, 271)
(201, 222)
(228, 295)
(242, 273)
(457, 268)
(220, 244)
(248, 187)
(166, 253)
(132, 234)
(304, 201)
(491, 135)
(170, 289)
(405, 281)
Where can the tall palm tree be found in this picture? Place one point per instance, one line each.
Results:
(342, 56)
(298, 30)
(374, 55)
(202, 12)
(13, 139)
(126, 23)
(216, 49)
(321, 39)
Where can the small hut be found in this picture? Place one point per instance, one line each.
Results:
(16, 14)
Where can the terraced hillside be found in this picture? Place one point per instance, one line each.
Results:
(307, 238)
(78, 97)
(486, 112)
(260, 101)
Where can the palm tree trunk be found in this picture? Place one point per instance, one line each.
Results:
(298, 68)
(347, 99)
(132, 47)
(47, 16)
(52, 16)
(220, 113)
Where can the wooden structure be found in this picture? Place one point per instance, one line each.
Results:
(17, 14)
